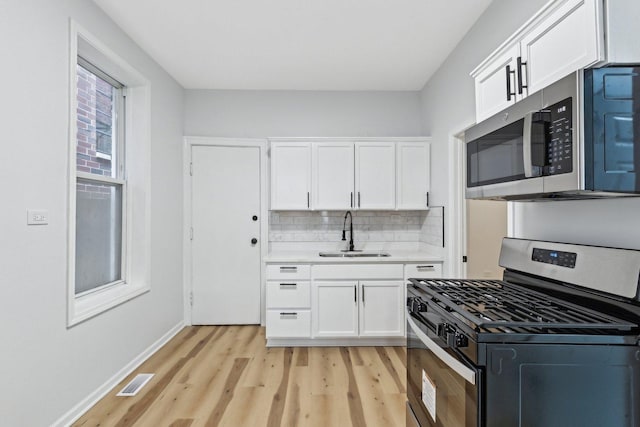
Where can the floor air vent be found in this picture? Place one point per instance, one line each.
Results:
(135, 385)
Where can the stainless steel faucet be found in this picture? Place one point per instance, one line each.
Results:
(350, 248)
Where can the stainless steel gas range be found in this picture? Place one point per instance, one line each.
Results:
(555, 343)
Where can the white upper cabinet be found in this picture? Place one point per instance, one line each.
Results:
(338, 174)
(375, 175)
(290, 175)
(496, 84)
(567, 40)
(563, 37)
(413, 175)
(333, 175)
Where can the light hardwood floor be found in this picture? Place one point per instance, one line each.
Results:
(225, 376)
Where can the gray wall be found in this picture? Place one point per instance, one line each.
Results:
(236, 113)
(448, 107)
(46, 368)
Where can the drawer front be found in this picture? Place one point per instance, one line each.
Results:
(424, 270)
(288, 324)
(288, 271)
(291, 294)
(357, 271)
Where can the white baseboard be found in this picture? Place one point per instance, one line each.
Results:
(86, 403)
(337, 342)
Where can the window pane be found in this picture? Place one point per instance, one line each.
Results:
(98, 234)
(96, 133)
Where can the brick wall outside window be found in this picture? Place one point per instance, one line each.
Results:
(95, 123)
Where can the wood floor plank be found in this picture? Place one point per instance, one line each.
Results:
(303, 356)
(225, 376)
(181, 423)
(388, 364)
(353, 393)
(238, 368)
(279, 398)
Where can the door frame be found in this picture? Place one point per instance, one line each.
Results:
(188, 143)
(458, 203)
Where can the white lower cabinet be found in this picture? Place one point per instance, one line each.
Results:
(381, 308)
(288, 323)
(324, 302)
(372, 308)
(335, 309)
(426, 270)
(288, 297)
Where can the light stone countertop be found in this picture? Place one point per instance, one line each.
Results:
(313, 257)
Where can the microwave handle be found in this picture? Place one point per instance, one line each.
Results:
(530, 171)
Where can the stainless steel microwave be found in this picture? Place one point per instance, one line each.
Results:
(578, 138)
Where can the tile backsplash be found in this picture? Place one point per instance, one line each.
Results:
(368, 226)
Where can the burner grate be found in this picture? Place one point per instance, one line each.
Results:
(500, 306)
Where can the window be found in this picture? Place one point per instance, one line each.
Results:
(108, 194)
(100, 183)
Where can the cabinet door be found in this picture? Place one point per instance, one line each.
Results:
(332, 176)
(290, 176)
(413, 175)
(567, 40)
(496, 85)
(375, 175)
(335, 309)
(381, 308)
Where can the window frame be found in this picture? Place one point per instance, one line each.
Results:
(131, 174)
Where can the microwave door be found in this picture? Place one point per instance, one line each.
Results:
(499, 163)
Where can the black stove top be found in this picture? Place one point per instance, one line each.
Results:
(494, 306)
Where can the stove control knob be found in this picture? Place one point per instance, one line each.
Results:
(461, 341)
(416, 305)
(456, 339)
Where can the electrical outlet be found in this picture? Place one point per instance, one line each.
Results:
(37, 217)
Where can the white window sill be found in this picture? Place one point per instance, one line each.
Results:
(86, 306)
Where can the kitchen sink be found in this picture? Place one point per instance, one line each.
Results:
(354, 254)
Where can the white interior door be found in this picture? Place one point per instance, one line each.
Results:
(225, 264)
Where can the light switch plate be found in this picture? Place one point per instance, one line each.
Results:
(37, 217)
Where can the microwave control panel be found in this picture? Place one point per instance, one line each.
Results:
(559, 141)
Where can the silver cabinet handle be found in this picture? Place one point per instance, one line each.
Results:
(351, 200)
(425, 267)
(288, 285)
(355, 294)
(308, 200)
(285, 315)
(288, 268)
(363, 295)
(358, 199)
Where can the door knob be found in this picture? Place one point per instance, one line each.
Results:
(255, 217)
(254, 241)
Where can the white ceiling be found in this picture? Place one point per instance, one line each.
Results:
(297, 44)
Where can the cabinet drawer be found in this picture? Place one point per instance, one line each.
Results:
(425, 270)
(288, 271)
(291, 294)
(357, 271)
(288, 324)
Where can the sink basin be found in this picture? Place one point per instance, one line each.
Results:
(354, 254)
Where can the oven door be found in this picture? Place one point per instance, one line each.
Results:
(443, 389)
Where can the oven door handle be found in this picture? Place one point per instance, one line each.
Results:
(462, 370)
